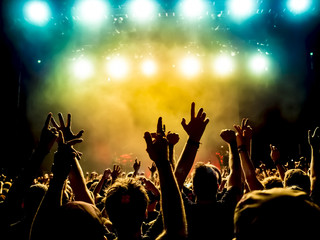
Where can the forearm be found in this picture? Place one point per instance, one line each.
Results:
(171, 202)
(78, 184)
(99, 186)
(171, 156)
(234, 166)
(249, 171)
(186, 161)
(315, 170)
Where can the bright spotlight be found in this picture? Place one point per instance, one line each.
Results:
(37, 12)
(149, 67)
(142, 9)
(118, 67)
(259, 64)
(91, 11)
(241, 8)
(193, 8)
(83, 69)
(298, 6)
(190, 66)
(223, 65)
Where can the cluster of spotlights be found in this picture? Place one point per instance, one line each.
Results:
(39, 12)
(118, 67)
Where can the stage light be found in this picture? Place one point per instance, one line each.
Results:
(149, 67)
(192, 8)
(241, 8)
(190, 66)
(142, 9)
(83, 68)
(37, 12)
(117, 67)
(91, 11)
(259, 64)
(223, 65)
(298, 6)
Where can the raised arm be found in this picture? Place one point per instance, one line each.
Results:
(173, 139)
(76, 176)
(275, 156)
(234, 180)
(171, 201)
(246, 164)
(314, 142)
(195, 129)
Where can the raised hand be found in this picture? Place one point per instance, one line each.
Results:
(48, 135)
(66, 128)
(314, 138)
(195, 128)
(116, 172)
(153, 168)
(64, 155)
(274, 154)
(157, 147)
(228, 135)
(136, 165)
(173, 138)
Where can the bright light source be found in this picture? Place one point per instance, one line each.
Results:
(118, 67)
(193, 8)
(259, 64)
(142, 9)
(83, 68)
(223, 65)
(91, 11)
(241, 8)
(149, 67)
(37, 12)
(298, 6)
(190, 66)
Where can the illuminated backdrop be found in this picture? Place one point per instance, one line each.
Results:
(119, 65)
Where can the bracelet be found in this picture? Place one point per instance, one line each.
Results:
(194, 143)
(242, 148)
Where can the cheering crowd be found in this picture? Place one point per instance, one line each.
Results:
(180, 200)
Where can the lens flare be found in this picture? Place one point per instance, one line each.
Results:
(149, 67)
(142, 9)
(223, 65)
(259, 64)
(83, 69)
(118, 68)
(91, 11)
(193, 8)
(298, 6)
(190, 66)
(37, 12)
(241, 8)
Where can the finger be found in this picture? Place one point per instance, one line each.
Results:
(192, 110)
(183, 123)
(47, 122)
(159, 126)
(242, 123)
(148, 139)
(60, 137)
(309, 135)
(206, 121)
(61, 120)
(79, 135)
(316, 132)
(270, 147)
(245, 124)
(68, 120)
(203, 116)
(238, 129)
(200, 112)
(54, 123)
(74, 141)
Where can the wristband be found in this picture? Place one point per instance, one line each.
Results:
(194, 143)
(242, 148)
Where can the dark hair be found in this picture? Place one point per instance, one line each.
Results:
(297, 177)
(272, 182)
(205, 181)
(278, 213)
(126, 204)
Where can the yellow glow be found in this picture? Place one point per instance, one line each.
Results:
(118, 67)
(223, 65)
(149, 67)
(82, 69)
(258, 64)
(190, 66)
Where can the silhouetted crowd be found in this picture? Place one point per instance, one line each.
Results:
(180, 199)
